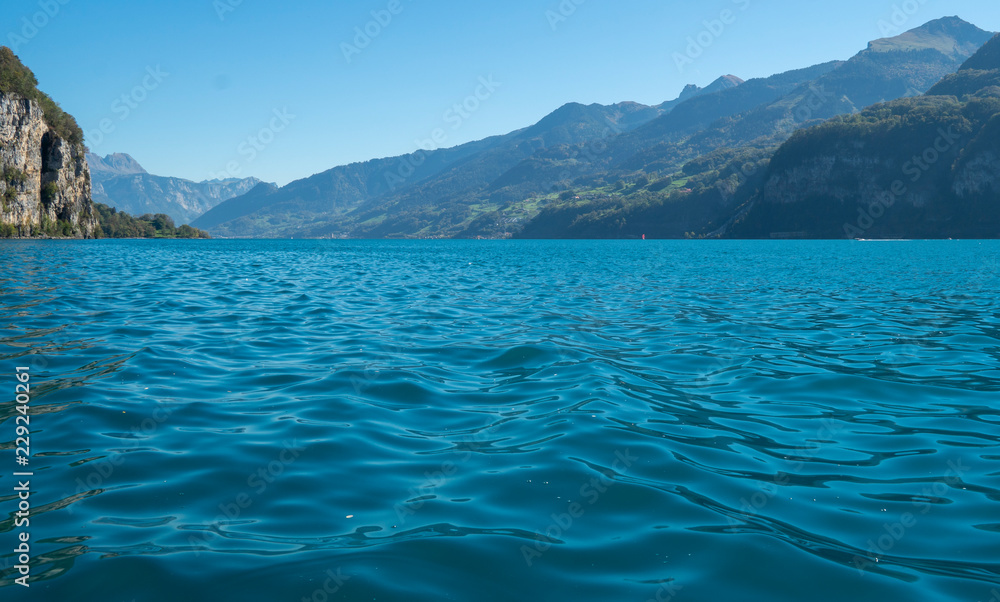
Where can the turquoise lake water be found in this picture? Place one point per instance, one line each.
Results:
(466, 420)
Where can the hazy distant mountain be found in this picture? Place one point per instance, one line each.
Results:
(596, 161)
(907, 65)
(691, 91)
(309, 207)
(721, 162)
(119, 181)
(117, 164)
(291, 210)
(950, 36)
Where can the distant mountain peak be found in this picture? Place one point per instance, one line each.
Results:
(689, 91)
(723, 83)
(728, 81)
(116, 164)
(119, 181)
(264, 188)
(950, 36)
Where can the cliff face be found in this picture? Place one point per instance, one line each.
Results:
(45, 178)
(978, 171)
(923, 168)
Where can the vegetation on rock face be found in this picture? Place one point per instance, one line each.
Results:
(49, 193)
(17, 79)
(13, 179)
(113, 224)
(13, 176)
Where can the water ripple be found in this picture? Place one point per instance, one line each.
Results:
(500, 421)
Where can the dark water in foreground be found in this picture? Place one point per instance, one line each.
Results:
(576, 421)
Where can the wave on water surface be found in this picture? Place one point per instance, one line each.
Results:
(505, 421)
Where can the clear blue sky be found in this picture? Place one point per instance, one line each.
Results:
(224, 67)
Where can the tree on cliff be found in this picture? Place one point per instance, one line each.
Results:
(15, 78)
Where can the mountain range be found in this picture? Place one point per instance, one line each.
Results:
(607, 171)
(119, 181)
(924, 167)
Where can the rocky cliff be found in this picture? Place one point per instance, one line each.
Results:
(45, 182)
